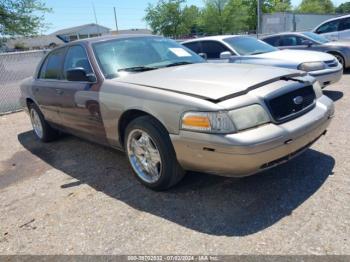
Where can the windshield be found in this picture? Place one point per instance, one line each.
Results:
(316, 37)
(246, 45)
(138, 54)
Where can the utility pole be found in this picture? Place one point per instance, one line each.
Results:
(115, 19)
(93, 8)
(259, 16)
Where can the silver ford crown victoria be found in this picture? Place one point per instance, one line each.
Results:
(172, 112)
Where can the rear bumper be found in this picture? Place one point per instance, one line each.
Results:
(255, 150)
(328, 76)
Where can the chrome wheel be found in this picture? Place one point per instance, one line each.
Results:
(144, 156)
(36, 123)
(340, 59)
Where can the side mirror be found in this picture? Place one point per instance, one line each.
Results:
(78, 74)
(203, 55)
(225, 55)
(307, 43)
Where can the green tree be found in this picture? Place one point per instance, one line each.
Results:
(212, 17)
(316, 6)
(343, 8)
(171, 17)
(21, 17)
(224, 16)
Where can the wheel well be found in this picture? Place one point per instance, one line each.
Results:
(336, 53)
(29, 102)
(126, 118)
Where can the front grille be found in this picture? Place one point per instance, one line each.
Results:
(332, 63)
(292, 104)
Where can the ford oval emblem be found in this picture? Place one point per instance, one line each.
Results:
(298, 100)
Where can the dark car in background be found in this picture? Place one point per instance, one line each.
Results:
(311, 41)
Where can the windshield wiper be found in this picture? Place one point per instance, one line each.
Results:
(137, 69)
(179, 63)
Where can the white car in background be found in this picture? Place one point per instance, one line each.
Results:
(249, 50)
(335, 29)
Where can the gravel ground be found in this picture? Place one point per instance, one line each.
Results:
(74, 197)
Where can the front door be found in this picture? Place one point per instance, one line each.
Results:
(79, 103)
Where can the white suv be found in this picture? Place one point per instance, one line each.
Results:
(335, 29)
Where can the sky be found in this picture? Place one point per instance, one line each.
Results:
(130, 13)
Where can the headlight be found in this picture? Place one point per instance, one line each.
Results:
(224, 123)
(318, 89)
(212, 122)
(249, 116)
(311, 66)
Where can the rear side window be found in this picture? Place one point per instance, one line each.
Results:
(344, 24)
(213, 49)
(52, 66)
(274, 41)
(76, 57)
(291, 40)
(328, 27)
(194, 46)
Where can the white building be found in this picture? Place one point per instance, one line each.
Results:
(81, 32)
(135, 31)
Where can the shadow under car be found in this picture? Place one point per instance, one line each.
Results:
(205, 203)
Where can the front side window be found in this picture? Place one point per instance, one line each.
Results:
(213, 49)
(245, 45)
(76, 58)
(292, 40)
(52, 66)
(194, 46)
(137, 54)
(274, 40)
(328, 27)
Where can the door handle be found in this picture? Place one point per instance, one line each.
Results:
(59, 91)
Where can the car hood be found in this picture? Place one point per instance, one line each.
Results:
(296, 56)
(338, 43)
(208, 81)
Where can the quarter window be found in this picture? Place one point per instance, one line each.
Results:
(52, 66)
(213, 49)
(76, 58)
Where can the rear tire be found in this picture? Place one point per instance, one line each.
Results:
(41, 127)
(151, 154)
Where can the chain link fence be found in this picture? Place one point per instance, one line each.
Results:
(14, 67)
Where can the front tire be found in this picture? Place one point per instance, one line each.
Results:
(151, 154)
(41, 127)
(340, 59)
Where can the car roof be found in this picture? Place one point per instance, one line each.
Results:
(281, 34)
(109, 37)
(333, 19)
(216, 37)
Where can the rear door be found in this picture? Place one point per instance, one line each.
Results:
(79, 101)
(46, 90)
(344, 28)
